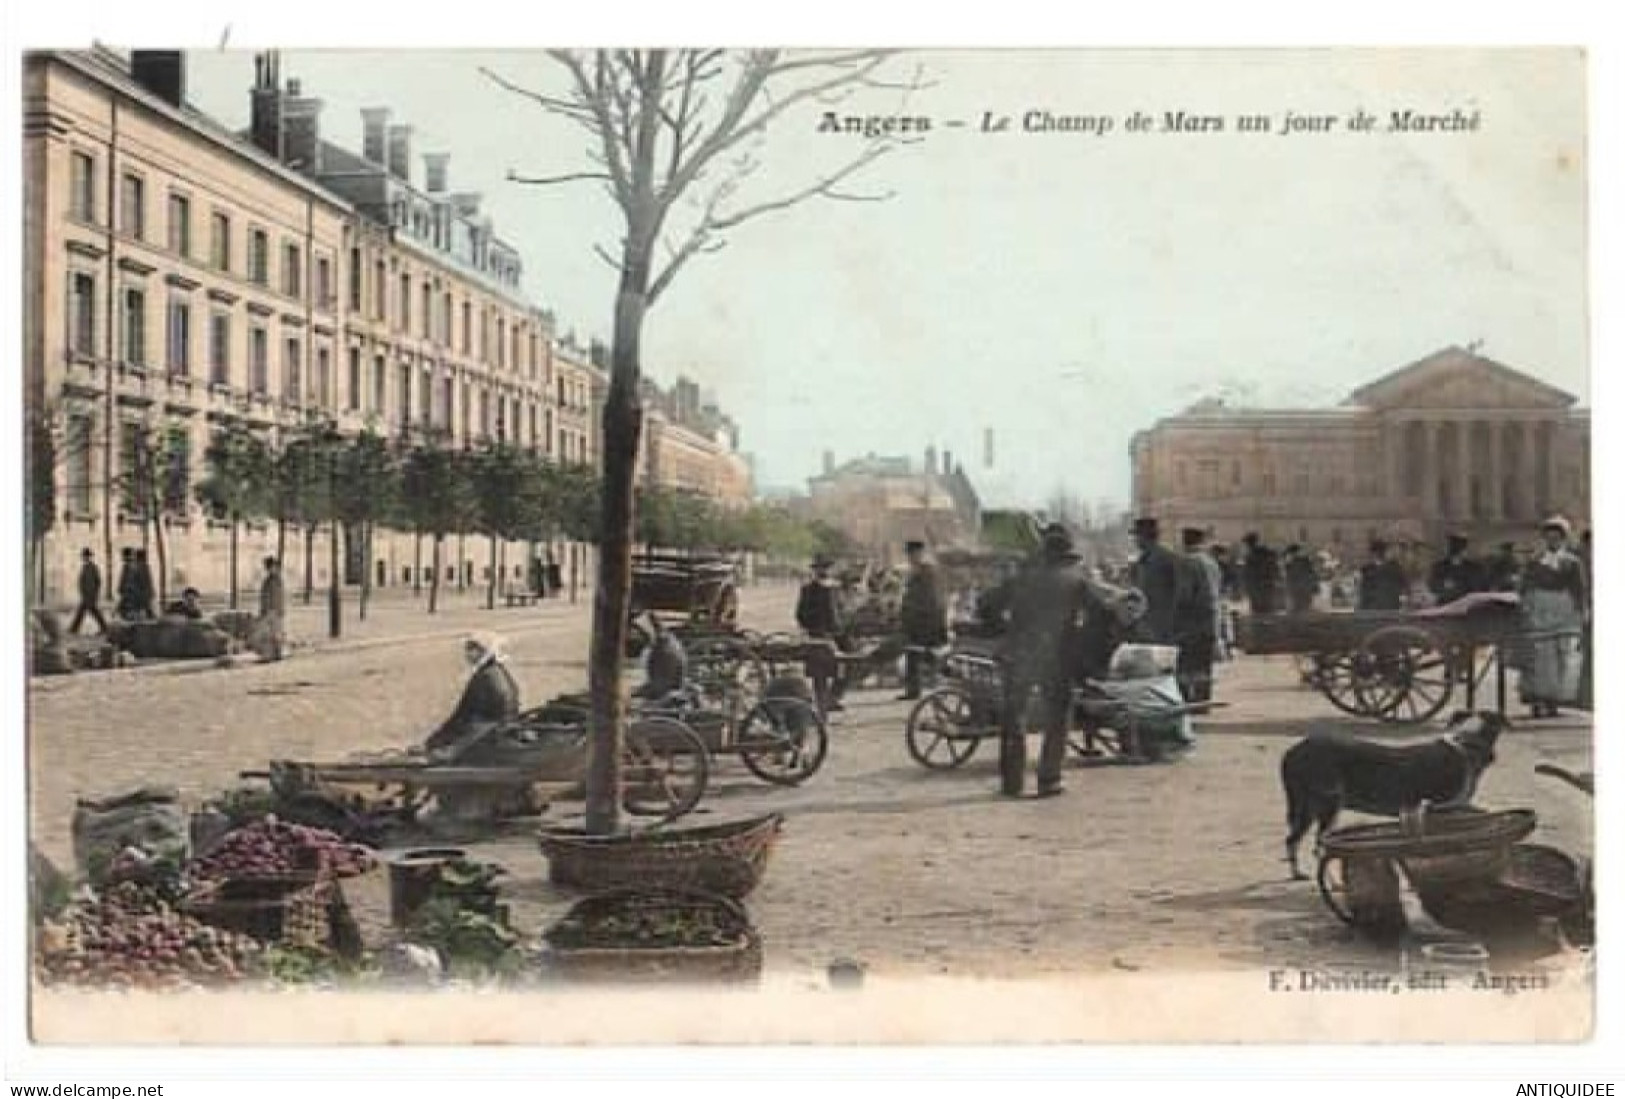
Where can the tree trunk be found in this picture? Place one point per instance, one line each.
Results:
(163, 560)
(434, 580)
(366, 569)
(622, 428)
(417, 562)
(491, 582)
(281, 541)
(462, 561)
(231, 563)
(310, 562)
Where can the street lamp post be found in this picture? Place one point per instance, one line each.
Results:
(335, 608)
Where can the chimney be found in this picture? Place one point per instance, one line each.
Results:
(829, 462)
(466, 203)
(400, 153)
(947, 463)
(301, 130)
(930, 459)
(265, 104)
(434, 172)
(374, 120)
(161, 72)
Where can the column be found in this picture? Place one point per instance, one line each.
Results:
(1430, 473)
(1494, 510)
(1464, 465)
(1551, 441)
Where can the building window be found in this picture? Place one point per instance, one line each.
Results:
(355, 279)
(259, 257)
(379, 289)
(502, 343)
(324, 283)
(133, 207)
(180, 337)
(180, 225)
(353, 390)
(134, 327)
(404, 321)
(324, 379)
(291, 369)
(446, 388)
(406, 394)
(177, 472)
(380, 385)
(82, 313)
(426, 400)
(220, 241)
(132, 449)
(220, 349)
(464, 412)
(468, 328)
(259, 361)
(76, 440)
(445, 318)
(427, 316)
(290, 270)
(82, 180)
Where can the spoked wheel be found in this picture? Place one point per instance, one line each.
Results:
(664, 768)
(942, 729)
(1345, 679)
(1412, 676)
(783, 741)
(1330, 878)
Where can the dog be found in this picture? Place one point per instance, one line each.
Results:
(1324, 774)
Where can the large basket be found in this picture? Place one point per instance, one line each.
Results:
(1537, 882)
(614, 938)
(725, 858)
(1438, 848)
(281, 911)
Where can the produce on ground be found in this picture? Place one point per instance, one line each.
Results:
(271, 848)
(129, 936)
(651, 928)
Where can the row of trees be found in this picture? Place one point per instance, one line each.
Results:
(315, 478)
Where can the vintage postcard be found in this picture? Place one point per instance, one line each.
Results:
(782, 546)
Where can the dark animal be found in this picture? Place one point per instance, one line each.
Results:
(1326, 773)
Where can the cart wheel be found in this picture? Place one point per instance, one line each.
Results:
(664, 768)
(1309, 667)
(1344, 678)
(942, 730)
(1412, 678)
(783, 741)
(1333, 889)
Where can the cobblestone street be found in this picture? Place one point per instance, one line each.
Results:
(913, 871)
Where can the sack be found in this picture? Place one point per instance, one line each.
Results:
(150, 820)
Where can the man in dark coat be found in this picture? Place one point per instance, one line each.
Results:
(1045, 602)
(1161, 575)
(1382, 581)
(1199, 619)
(90, 593)
(126, 608)
(818, 613)
(1261, 576)
(1302, 579)
(143, 590)
(1455, 574)
(1501, 571)
(924, 618)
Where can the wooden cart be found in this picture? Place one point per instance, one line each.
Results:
(1396, 666)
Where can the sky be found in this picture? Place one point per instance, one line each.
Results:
(1059, 290)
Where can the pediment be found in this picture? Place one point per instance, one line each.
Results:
(1456, 378)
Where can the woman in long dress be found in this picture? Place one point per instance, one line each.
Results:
(1553, 608)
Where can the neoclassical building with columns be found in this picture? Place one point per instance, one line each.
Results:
(1452, 442)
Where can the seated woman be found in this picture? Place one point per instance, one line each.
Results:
(491, 697)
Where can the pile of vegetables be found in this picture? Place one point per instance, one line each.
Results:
(130, 936)
(653, 927)
(272, 848)
(463, 921)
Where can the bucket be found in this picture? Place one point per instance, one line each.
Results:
(1464, 958)
(412, 876)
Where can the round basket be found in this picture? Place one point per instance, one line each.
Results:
(655, 936)
(1461, 845)
(727, 858)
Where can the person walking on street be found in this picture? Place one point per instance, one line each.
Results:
(1455, 574)
(90, 594)
(126, 607)
(1045, 601)
(1302, 579)
(819, 616)
(143, 590)
(1382, 581)
(273, 608)
(1552, 606)
(923, 617)
(1206, 642)
(1160, 575)
(1261, 576)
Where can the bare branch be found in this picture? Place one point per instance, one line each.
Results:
(603, 253)
(823, 188)
(568, 177)
(574, 111)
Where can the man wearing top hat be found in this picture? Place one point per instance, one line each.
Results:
(924, 618)
(818, 614)
(1455, 574)
(1161, 576)
(1196, 548)
(1382, 581)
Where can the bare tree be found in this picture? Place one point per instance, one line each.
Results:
(673, 137)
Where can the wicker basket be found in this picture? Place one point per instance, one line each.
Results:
(587, 945)
(725, 858)
(1537, 882)
(1461, 845)
(284, 911)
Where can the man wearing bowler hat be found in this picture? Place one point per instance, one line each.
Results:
(924, 618)
(1382, 581)
(1455, 574)
(1161, 576)
(819, 616)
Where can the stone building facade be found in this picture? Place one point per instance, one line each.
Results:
(1452, 442)
(882, 502)
(179, 276)
(689, 445)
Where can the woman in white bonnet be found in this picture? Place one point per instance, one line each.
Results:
(490, 698)
(1553, 608)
